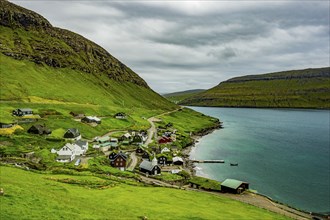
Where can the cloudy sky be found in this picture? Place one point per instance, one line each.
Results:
(181, 45)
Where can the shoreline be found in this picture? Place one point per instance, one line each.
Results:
(189, 167)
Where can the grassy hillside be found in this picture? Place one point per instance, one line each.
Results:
(309, 88)
(37, 196)
(27, 35)
(179, 96)
(43, 67)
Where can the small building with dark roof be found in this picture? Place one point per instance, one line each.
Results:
(77, 115)
(6, 125)
(39, 129)
(164, 159)
(177, 161)
(22, 112)
(91, 119)
(118, 160)
(234, 186)
(120, 115)
(72, 133)
(150, 168)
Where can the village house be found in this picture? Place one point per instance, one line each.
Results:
(165, 150)
(6, 125)
(69, 151)
(164, 160)
(82, 147)
(91, 119)
(66, 154)
(22, 112)
(164, 140)
(39, 129)
(118, 160)
(77, 115)
(120, 115)
(150, 168)
(73, 134)
(137, 139)
(234, 186)
(177, 161)
(126, 138)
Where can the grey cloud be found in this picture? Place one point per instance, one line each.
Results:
(176, 45)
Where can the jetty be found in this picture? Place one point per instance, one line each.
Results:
(207, 161)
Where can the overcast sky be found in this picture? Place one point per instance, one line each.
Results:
(181, 45)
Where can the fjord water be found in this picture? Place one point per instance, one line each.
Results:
(282, 153)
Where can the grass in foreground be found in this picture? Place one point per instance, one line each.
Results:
(36, 196)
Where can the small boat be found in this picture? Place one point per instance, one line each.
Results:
(233, 164)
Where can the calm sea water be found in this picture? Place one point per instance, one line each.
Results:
(283, 154)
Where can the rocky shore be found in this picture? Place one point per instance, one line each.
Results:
(189, 165)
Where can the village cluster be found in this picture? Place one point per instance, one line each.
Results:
(153, 159)
(127, 150)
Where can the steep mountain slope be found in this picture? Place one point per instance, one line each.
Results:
(179, 96)
(42, 62)
(309, 88)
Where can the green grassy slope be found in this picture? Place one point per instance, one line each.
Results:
(38, 196)
(27, 35)
(309, 88)
(179, 96)
(43, 67)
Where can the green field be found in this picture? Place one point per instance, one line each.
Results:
(30, 195)
(308, 88)
(188, 120)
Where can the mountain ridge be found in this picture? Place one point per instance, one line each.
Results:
(306, 88)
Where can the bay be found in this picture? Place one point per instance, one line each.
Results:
(282, 153)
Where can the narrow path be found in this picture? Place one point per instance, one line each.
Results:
(113, 132)
(133, 162)
(157, 182)
(152, 131)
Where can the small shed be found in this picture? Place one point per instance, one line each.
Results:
(39, 129)
(234, 186)
(120, 115)
(177, 161)
(72, 133)
(91, 119)
(6, 125)
(22, 112)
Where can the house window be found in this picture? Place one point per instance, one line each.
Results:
(116, 164)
